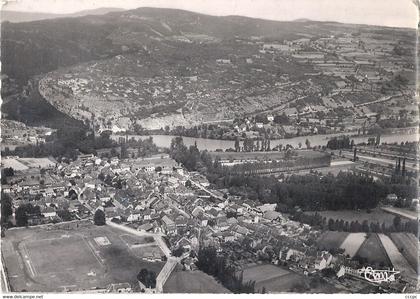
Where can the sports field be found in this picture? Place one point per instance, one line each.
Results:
(51, 258)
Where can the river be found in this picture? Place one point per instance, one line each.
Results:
(315, 140)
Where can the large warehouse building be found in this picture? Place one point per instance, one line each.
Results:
(272, 162)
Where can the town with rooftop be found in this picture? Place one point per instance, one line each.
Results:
(159, 150)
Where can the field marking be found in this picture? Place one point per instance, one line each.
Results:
(92, 249)
(29, 260)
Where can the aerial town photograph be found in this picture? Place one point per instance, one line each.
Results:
(209, 147)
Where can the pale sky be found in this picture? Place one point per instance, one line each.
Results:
(394, 13)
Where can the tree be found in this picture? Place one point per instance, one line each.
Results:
(21, 216)
(147, 277)
(65, 215)
(99, 217)
(397, 223)
(178, 251)
(6, 207)
(308, 144)
(237, 145)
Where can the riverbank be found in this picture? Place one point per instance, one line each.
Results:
(315, 140)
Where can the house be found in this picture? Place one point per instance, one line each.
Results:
(197, 211)
(49, 212)
(228, 237)
(204, 220)
(184, 243)
(294, 255)
(123, 287)
(147, 227)
(267, 207)
(134, 217)
(271, 215)
(168, 225)
(323, 261)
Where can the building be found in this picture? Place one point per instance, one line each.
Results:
(168, 225)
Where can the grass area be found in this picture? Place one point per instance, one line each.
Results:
(376, 215)
(59, 258)
(408, 245)
(330, 239)
(192, 282)
(373, 251)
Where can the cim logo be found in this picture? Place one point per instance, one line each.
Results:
(378, 276)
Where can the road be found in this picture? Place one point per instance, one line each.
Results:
(171, 261)
(165, 273)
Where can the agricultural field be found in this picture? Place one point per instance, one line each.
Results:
(78, 256)
(373, 251)
(397, 259)
(407, 244)
(15, 164)
(193, 282)
(330, 239)
(274, 279)
(352, 243)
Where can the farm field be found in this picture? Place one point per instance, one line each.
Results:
(330, 239)
(193, 282)
(76, 257)
(352, 243)
(274, 279)
(407, 244)
(373, 251)
(397, 259)
(15, 164)
(376, 215)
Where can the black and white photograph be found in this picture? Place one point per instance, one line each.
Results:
(209, 147)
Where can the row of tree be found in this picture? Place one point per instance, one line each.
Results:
(316, 220)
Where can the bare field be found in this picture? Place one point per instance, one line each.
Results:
(193, 282)
(397, 259)
(48, 258)
(352, 243)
